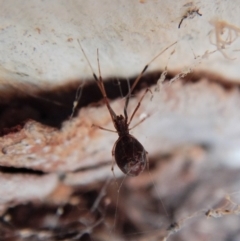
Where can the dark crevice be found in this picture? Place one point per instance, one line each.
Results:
(52, 108)
(14, 170)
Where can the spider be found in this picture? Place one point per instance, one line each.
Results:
(129, 153)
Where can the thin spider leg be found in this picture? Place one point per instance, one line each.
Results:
(102, 88)
(141, 74)
(99, 83)
(141, 121)
(102, 128)
(126, 103)
(138, 105)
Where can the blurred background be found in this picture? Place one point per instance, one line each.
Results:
(55, 168)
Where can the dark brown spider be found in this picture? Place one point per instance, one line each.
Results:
(130, 155)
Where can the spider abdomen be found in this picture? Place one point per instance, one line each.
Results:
(130, 155)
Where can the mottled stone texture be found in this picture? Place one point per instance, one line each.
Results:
(60, 179)
(56, 181)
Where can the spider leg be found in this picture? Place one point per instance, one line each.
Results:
(138, 105)
(102, 128)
